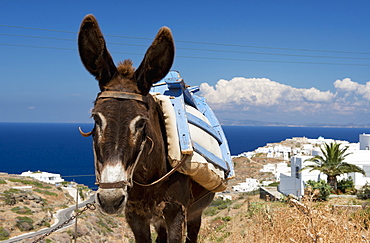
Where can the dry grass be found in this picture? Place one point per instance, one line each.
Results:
(257, 221)
(248, 219)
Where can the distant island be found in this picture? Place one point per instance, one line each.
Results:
(230, 122)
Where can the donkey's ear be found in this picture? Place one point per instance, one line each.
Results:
(157, 61)
(93, 51)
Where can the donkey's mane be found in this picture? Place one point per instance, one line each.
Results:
(126, 69)
(127, 83)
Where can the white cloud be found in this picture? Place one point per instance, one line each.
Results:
(348, 87)
(260, 92)
(265, 97)
(315, 95)
(31, 107)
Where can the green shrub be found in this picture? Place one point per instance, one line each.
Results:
(220, 203)
(22, 210)
(237, 206)
(217, 205)
(276, 183)
(226, 218)
(12, 190)
(323, 187)
(46, 192)
(3, 182)
(4, 234)
(8, 196)
(364, 192)
(80, 192)
(346, 186)
(24, 223)
(210, 211)
(254, 208)
(65, 183)
(28, 182)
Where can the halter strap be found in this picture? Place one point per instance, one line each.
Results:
(122, 95)
(111, 185)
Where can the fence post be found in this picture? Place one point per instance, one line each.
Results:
(76, 213)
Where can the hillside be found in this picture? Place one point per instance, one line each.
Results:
(250, 168)
(27, 205)
(244, 219)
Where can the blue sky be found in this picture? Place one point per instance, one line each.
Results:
(295, 62)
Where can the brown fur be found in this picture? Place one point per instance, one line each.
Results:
(172, 205)
(126, 69)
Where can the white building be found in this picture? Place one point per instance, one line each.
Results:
(263, 150)
(245, 154)
(275, 151)
(44, 176)
(247, 186)
(223, 196)
(365, 141)
(294, 182)
(276, 169)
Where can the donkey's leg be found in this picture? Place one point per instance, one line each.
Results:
(193, 227)
(175, 217)
(202, 198)
(140, 227)
(161, 231)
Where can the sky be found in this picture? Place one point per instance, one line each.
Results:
(289, 62)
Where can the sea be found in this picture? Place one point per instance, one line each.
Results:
(59, 147)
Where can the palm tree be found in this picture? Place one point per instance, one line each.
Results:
(332, 163)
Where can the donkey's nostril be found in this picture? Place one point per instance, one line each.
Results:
(119, 204)
(98, 199)
(111, 201)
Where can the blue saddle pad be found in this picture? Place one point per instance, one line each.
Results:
(173, 85)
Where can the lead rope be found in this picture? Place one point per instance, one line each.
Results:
(90, 206)
(174, 169)
(138, 158)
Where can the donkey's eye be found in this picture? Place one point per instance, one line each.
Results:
(97, 121)
(137, 125)
(100, 123)
(96, 117)
(141, 124)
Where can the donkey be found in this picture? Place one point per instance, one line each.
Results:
(129, 143)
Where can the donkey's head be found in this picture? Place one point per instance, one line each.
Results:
(123, 113)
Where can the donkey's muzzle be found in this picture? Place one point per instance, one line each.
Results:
(111, 201)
